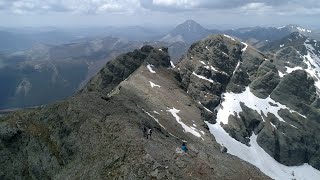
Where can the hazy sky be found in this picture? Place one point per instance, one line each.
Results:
(210, 13)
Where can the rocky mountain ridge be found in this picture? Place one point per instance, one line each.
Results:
(99, 132)
(222, 92)
(244, 95)
(25, 72)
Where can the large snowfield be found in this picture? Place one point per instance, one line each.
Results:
(255, 154)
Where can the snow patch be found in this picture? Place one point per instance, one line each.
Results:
(154, 85)
(225, 54)
(214, 69)
(202, 77)
(281, 45)
(231, 105)
(227, 36)
(236, 67)
(205, 107)
(158, 122)
(313, 65)
(245, 47)
(290, 70)
(150, 68)
(258, 157)
(172, 65)
(203, 63)
(303, 30)
(281, 74)
(186, 128)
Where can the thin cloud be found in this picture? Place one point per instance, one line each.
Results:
(168, 6)
(72, 6)
(125, 12)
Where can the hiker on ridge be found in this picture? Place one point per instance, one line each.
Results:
(184, 147)
(149, 134)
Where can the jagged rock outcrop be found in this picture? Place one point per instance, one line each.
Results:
(124, 65)
(99, 132)
(279, 110)
(257, 104)
(207, 68)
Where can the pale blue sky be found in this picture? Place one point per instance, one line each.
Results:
(210, 13)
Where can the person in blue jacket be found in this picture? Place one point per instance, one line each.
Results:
(184, 147)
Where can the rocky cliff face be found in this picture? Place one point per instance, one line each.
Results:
(99, 133)
(245, 93)
(222, 92)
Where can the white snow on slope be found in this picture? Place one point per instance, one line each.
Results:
(281, 45)
(227, 36)
(231, 105)
(154, 85)
(212, 68)
(157, 122)
(202, 62)
(202, 77)
(225, 54)
(150, 68)
(205, 107)
(313, 63)
(172, 65)
(258, 157)
(290, 70)
(245, 47)
(303, 30)
(281, 74)
(235, 69)
(186, 128)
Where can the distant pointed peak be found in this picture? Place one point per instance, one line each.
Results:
(190, 21)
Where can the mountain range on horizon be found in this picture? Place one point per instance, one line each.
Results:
(189, 30)
(86, 56)
(30, 36)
